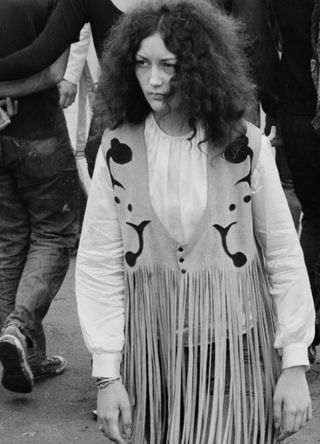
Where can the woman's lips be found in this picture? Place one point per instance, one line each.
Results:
(157, 96)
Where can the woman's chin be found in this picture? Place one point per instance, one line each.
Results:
(158, 108)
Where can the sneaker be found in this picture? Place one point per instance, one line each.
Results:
(49, 366)
(17, 375)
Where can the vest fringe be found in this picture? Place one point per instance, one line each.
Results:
(179, 331)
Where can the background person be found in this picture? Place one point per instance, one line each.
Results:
(38, 205)
(289, 98)
(297, 100)
(62, 29)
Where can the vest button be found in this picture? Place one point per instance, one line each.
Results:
(181, 259)
(183, 271)
(180, 249)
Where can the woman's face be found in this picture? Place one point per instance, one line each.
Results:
(155, 66)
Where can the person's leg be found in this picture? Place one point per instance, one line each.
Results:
(14, 245)
(302, 145)
(48, 185)
(14, 231)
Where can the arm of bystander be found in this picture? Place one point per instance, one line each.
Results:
(45, 79)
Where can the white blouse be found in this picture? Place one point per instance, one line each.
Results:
(177, 186)
(177, 179)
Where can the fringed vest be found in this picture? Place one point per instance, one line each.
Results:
(199, 363)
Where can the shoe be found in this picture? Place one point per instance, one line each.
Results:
(48, 366)
(17, 375)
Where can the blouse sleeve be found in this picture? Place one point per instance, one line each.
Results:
(78, 55)
(99, 276)
(62, 29)
(286, 271)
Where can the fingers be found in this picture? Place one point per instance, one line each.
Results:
(277, 413)
(4, 119)
(291, 403)
(9, 106)
(67, 103)
(127, 421)
(110, 428)
(309, 412)
(116, 420)
(294, 419)
(290, 419)
(62, 100)
(12, 107)
(68, 92)
(15, 107)
(113, 428)
(66, 100)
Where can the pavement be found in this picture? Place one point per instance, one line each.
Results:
(58, 411)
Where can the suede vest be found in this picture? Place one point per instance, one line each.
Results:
(198, 312)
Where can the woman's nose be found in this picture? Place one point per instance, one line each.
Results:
(155, 77)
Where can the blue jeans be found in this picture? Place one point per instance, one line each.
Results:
(39, 193)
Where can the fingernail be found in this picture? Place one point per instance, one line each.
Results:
(276, 425)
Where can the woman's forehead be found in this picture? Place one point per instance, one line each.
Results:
(153, 46)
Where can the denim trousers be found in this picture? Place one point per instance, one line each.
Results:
(302, 146)
(39, 194)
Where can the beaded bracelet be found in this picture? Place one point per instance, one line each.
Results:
(103, 383)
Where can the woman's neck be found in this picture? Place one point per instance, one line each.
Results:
(173, 123)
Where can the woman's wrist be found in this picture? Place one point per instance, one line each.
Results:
(104, 382)
(294, 369)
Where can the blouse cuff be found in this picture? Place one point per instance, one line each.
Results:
(294, 355)
(72, 78)
(106, 365)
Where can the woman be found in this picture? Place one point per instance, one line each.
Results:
(189, 269)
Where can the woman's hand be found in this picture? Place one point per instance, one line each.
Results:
(291, 402)
(114, 409)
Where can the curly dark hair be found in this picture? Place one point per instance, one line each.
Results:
(211, 71)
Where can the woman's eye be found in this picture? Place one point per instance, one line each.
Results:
(141, 63)
(169, 68)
